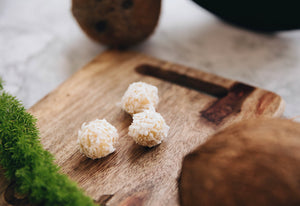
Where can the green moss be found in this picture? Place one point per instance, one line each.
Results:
(27, 163)
(1, 84)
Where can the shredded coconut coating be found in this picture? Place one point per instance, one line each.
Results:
(97, 138)
(139, 97)
(148, 128)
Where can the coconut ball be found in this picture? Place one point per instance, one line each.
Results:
(139, 96)
(97, 138)
(148, 128)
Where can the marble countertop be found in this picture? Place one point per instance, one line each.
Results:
(41, 46)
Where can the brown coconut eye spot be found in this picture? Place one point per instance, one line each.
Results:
(101, 26)
(127, 4)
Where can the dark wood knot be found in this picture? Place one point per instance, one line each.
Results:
(13, 198)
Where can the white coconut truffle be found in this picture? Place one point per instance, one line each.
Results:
(139, 97)
(148, 128)
(97, 138)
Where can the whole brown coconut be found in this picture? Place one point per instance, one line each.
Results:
(250, 163)
(117, 23)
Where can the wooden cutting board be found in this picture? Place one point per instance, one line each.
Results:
(194, 104)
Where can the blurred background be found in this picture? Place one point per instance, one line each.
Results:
(41, 45)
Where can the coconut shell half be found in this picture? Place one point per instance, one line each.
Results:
(255, 162)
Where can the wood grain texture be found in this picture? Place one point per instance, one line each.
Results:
(134, 175)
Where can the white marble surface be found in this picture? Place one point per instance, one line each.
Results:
(41, 46)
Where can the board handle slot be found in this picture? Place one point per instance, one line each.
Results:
(183, 80)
